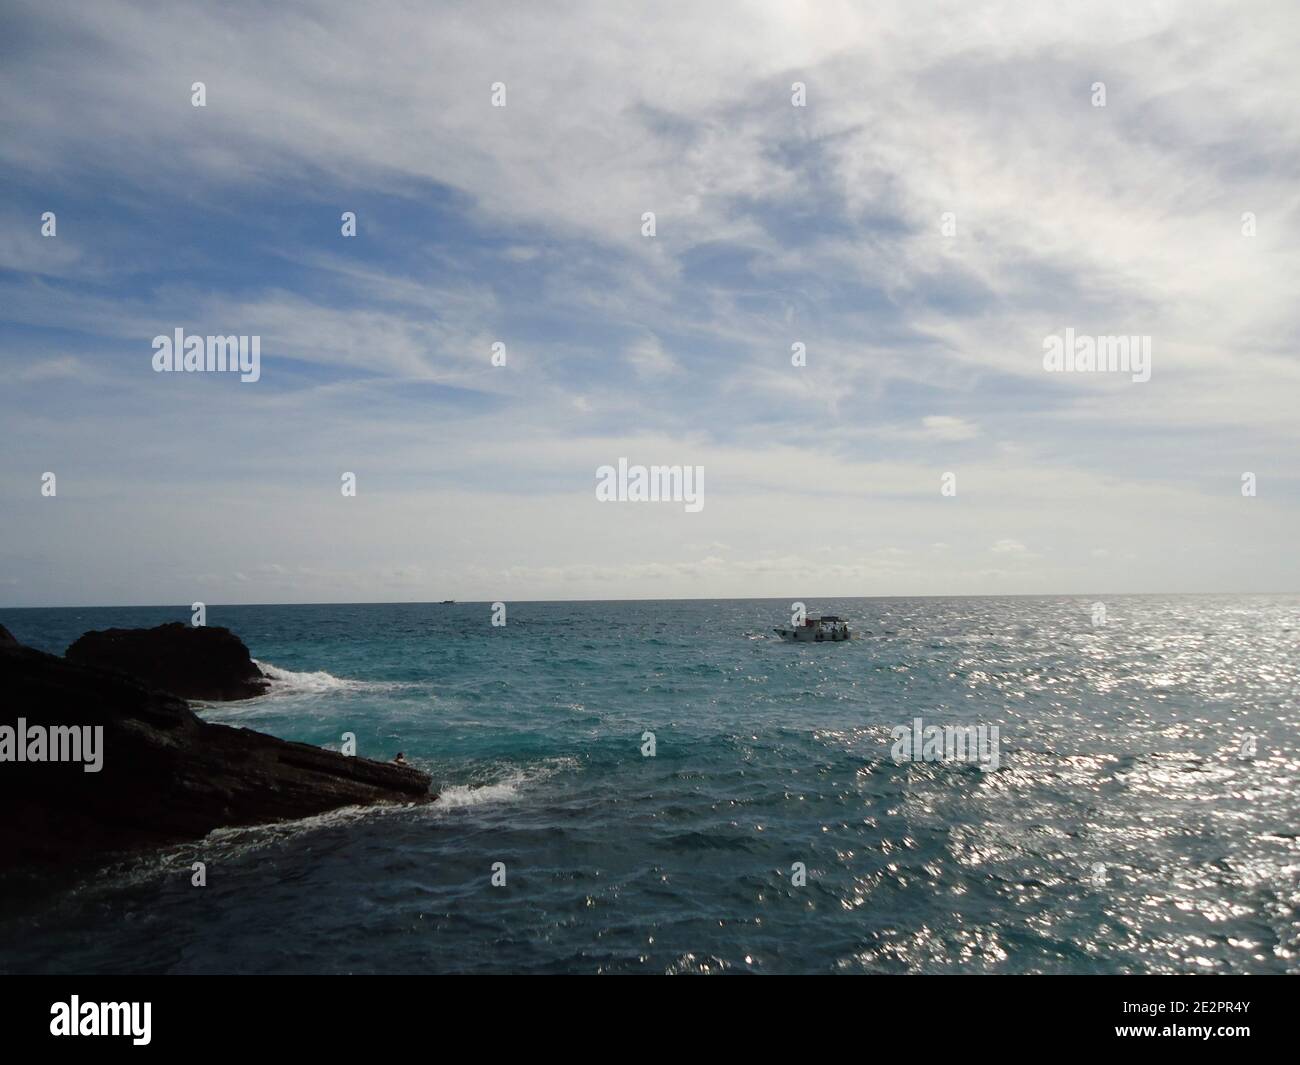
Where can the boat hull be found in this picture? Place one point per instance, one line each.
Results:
(812, 635)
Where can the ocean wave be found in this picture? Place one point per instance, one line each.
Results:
(477, 794)
(288, 682)
(241, 839)
(225, 845)
(507, 789)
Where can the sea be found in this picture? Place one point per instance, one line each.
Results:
(668, 787)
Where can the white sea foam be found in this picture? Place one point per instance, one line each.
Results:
(477, 794)
(288, 682)
(285, 680)
(222, 844)
(244, 838)
(505, 790)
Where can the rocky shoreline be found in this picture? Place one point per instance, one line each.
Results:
(164, 775)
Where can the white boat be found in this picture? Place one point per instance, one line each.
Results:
(825, 629)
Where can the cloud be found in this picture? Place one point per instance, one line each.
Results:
(943, 427)
(1009, 547)
(776, 225)
(649, 360)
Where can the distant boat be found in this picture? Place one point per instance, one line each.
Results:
(825, 629)
(448, 602)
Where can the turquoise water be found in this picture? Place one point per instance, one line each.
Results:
(1124, 831)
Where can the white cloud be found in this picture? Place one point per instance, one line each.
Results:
(775, 224)
(648, 358)
(1009, 547)
(943, 427)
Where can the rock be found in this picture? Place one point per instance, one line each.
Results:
(6, 637)
(166, 776)
(205, 663)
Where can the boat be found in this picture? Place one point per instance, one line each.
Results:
(826, 629)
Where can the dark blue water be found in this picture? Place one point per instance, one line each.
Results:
(1128, 826)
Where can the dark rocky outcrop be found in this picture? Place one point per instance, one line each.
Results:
(167, 776)
(211, 664)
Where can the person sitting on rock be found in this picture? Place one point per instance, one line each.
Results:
(400, 759)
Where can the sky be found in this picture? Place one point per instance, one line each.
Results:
(949, 194)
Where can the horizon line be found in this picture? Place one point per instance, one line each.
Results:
(646, 599)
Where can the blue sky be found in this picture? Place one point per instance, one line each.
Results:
(522, 224)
